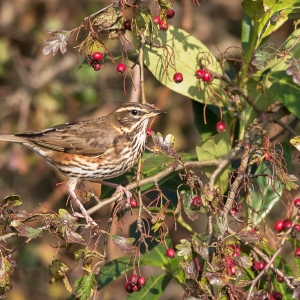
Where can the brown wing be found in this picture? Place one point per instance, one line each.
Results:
(90, 138)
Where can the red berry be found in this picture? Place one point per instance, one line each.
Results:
(234, 211)
(220, 126)
(261, 265)
(278, 226)
(277, 296)
(156, 20)
(287, 224)
(255, 266)
(170, 13)
(235, 254)
(170, 252)
(199, 74)
(196, 202)
(133, 203)
(297, 202)
(97, 55)
(121, 68)
(178, 77)
(133, 279)
(280, 279)
(163, 25)
(296, 227)
(127, 25)
(232, 270)
(135, 288)
(297, 253)
(206, 76)
(128, 287)
(141, 281)
(149, 132)
(267, 156)
(97, 67)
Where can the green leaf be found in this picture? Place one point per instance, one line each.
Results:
(25, 230)
(275, 16)
(254, 9)
(187, 49)
(264, 199)
(156, 257)
(85, 286)
(153, 289)
(212, 148)
(13, 200)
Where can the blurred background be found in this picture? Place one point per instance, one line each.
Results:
(39, 91)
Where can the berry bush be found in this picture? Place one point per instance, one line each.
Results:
(232, 198)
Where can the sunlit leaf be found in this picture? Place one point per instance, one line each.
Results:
(123, 243)
(187, 49)
(294, 69)
(13, 200)
(25, 230)
(86, 285)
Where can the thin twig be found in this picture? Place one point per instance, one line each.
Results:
(141, 64)
(155, 178)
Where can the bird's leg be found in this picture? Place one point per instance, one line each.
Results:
(72, 187)
(119, 189)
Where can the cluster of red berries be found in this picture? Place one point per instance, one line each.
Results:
(258, 266)
(229, 261)
(95, 63)
(286, 224)
(134, 283)
(163, 24)
(203, 75)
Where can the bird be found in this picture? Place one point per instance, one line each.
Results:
(92, 150)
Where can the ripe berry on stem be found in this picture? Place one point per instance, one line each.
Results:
(178, 77)
(128, 287)
(170, 252)
(297, 202)
(220, 126)
(133, 203)
(196, 202)
(206, 77)
(232, 270)
(277, 296)
(170, 13)
(261, 265)
(121, 68)
(287, 224)
(127, 25)
(156, 20)
(267, 156)
(296, 227)
(97, 67)
(97, 55)
(234, 211)
(280, 279)
(163, 25)
(133, 279)
(141, 281)
(278, 226)
(149, 132)
(255, 266)
(199, 74)
(297, 253)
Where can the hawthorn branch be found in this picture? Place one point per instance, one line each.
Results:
(141, 65)
(155, 178)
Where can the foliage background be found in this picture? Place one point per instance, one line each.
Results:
(37, 92)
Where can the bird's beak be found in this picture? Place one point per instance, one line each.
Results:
(155, 112)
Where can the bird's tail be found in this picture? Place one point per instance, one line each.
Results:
(11, 138)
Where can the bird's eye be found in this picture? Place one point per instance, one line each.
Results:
(134, 112)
